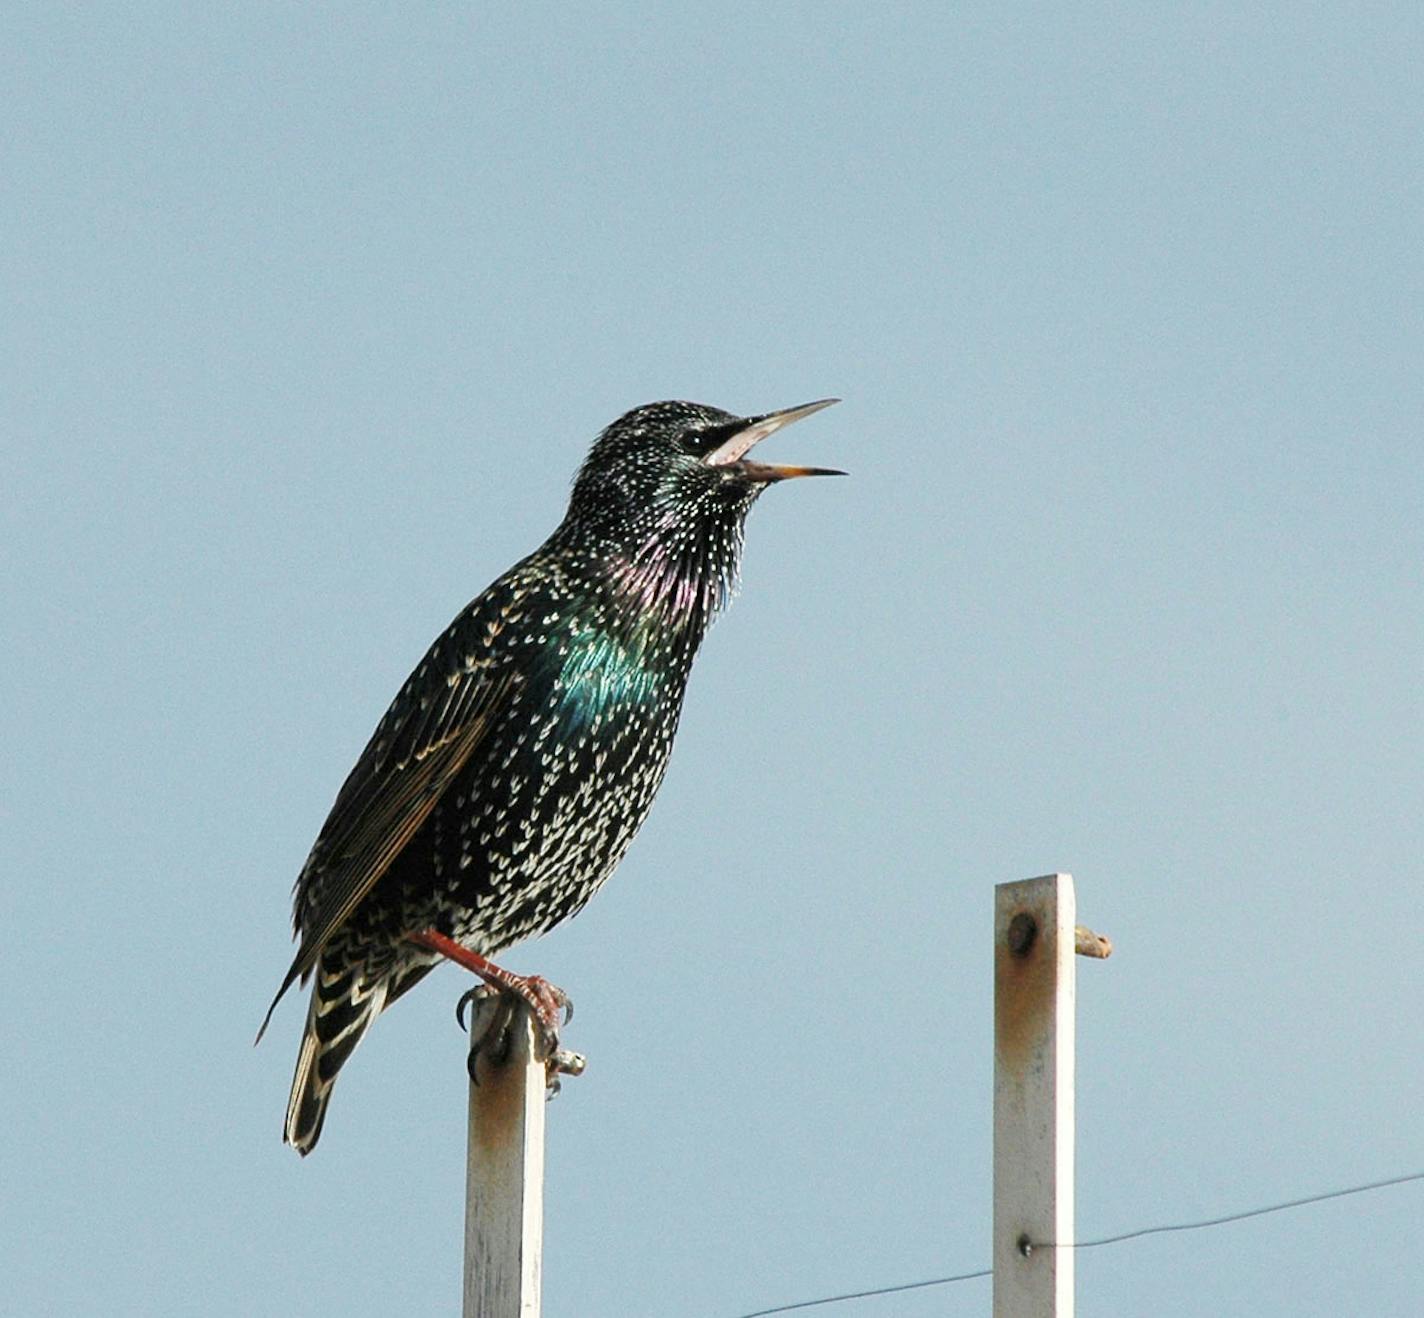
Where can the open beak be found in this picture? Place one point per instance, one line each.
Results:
(756, 428)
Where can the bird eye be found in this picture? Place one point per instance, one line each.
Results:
(701, 440)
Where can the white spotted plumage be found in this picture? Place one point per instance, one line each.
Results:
(512, 771)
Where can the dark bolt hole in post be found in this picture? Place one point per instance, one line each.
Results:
(1023, 933)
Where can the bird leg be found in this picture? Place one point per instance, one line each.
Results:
(544, 999)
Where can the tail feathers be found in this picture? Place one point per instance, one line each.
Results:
(343, 1007)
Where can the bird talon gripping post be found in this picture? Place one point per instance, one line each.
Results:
(491, 1028)
(510, 773)
(471, 998)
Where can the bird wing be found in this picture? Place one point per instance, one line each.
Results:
(426, 736)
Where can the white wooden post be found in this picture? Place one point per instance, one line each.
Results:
(1034, 989)
(504, 1179)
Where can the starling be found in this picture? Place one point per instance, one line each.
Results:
(508, 777)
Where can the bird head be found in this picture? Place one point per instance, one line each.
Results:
(660, 503)
(669, 467)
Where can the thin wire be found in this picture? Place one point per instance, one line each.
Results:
(1240, 1217)
(1102, 1240)
(879, 1290)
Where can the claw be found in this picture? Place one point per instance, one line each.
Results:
(490, 1027)
(548, 1041)
(473, 999)
(464, 1003)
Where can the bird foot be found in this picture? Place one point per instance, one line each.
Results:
(547, 1001)
(492, 1012)
(490, 1026)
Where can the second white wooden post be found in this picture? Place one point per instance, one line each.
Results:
(1034, 992)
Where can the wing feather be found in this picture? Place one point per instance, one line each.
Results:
(425, 738)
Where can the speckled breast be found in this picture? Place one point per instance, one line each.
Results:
(540, 818)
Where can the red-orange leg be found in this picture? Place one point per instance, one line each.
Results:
(545, 1000)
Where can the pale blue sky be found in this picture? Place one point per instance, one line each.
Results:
(310, 314)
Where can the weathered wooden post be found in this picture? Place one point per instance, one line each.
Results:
(504, 1176)
(1036, 938)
